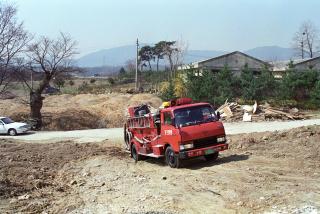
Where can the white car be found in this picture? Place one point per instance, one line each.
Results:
(8, 126)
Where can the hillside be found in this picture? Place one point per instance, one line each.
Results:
(272, 53)
(118, 56)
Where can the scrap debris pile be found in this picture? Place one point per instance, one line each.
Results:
(232, 111)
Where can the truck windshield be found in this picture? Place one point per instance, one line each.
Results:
(194, 115)
(7, 120)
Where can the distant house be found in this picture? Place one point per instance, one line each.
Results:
(279, 67)
(235, 61)
(313, 63)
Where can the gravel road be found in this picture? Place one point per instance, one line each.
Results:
(116, 134)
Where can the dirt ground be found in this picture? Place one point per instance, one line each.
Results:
(82, 111)
(271, 172)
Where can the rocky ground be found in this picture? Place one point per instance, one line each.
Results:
(271, 172)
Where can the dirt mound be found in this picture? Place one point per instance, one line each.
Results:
(301, 143)
(83, 111)
(29, 171)
(71, 119)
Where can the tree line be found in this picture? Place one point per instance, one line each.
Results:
(293, 89)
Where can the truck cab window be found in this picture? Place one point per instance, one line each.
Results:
(167, 118)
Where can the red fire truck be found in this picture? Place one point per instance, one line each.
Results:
(181, 129)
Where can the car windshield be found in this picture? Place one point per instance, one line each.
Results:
(7, 120)
(194, 115)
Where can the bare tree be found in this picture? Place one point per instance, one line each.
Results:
(178, 55)
(169, 50)
(306, 39)
(174, 51)
(52, 58)
(13, 40)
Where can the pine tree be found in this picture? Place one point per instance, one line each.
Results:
(298, 85)
(315, 94)
(194, 84)
(224, 80)
(248, 84)
(208, 87)
(266, 85)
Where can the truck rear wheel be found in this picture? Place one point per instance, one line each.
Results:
(171, 158)
(134, 153)
(212, 157)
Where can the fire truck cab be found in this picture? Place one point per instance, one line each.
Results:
(180, 130)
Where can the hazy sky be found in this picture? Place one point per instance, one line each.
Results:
(204, 24)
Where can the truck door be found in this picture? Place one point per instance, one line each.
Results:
(168, 131)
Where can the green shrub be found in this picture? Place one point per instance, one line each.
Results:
(167, 91)
(111, 81)
(298, 85)
(315, 95)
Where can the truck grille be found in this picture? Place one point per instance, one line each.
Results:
(205, 142)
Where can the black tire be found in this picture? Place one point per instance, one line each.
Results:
(12, 132)
(212, 157)
(134, 153)
(171, 158)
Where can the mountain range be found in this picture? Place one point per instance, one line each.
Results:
(118, 56)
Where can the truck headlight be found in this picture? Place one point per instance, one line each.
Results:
(221, 139)
(186, 146)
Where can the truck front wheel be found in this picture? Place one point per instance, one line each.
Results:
(171, 158)
(212, 157)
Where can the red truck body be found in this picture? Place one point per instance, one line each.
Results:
(182, 130)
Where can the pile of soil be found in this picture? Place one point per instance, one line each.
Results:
(83, 111)
(299, 143)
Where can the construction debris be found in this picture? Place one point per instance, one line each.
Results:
(247, 117)
(232, 112)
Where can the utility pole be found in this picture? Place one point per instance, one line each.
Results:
(302, 53)
(137, 59)
(302, 46)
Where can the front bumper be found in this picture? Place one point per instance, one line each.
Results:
(203, 151)
(23, 130)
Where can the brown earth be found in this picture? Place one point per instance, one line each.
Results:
(272, 172)
(82, 111)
